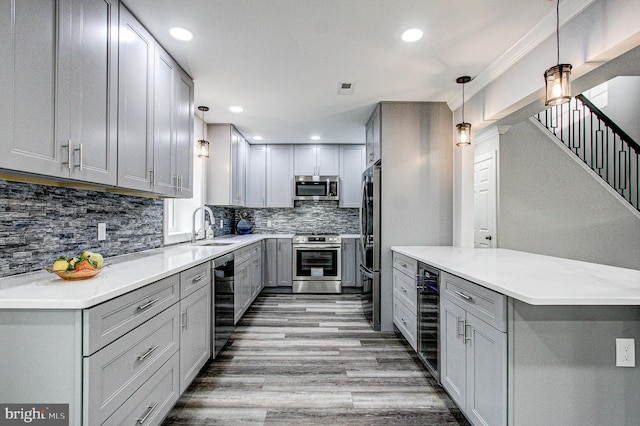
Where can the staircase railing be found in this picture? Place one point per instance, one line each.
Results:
(599, 142)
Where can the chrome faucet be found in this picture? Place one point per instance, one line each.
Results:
(194, 233)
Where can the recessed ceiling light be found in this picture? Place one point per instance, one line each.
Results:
(180, 33)
(414, 34)
(236, 109)
(257, 138)
(315, 138)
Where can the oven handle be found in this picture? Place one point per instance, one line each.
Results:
(316, 246)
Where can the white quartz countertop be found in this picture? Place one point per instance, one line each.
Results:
(534, 278)
(42, 290)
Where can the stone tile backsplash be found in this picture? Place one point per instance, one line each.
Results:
(40, 222)
(305, 217)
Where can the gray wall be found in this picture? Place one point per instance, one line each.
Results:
(38, 223)
(550, 205)
(623, 106)
(417, 183)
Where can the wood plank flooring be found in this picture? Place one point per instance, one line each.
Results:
(313, 359)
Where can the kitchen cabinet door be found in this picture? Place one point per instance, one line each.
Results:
(270, 266)
(352, 164)
(195, 337)
(304, 160)
(328, 160)
(453, 366)
(348, 262)
(486, 373)
(285, 262)
(238, 170)
(164, 123)
(279, 176)
(59, 59)
(184, 140)
(256, 176)
(373, 137)
(135, 104)
(240, 291)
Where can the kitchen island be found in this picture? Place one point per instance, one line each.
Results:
(557, 363)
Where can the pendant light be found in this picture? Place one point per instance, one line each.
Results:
(203, 145)
(556, 78)
(464, 129)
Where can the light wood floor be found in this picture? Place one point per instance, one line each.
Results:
(313, 359)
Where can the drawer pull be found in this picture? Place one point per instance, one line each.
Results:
(150, 409)
(403, 289)
(147, 353)
(403, 321)
(147, 305)
(185, 319)
(464, 296)
(198, 278)
(404, 265)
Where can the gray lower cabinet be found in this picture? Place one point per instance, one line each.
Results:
(405, 298)
(247, 278)
(474, 351)
(349, 262)
(61, 60)
(125, 360)
(285, 262)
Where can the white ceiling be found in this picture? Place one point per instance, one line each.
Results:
(282, 60)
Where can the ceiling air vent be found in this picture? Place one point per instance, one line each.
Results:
(345, 88)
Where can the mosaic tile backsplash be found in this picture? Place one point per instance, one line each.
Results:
(305, 217)
(39, 223)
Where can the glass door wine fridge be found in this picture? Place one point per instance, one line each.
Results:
(428, 318)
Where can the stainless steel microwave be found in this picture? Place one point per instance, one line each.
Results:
(316, 188)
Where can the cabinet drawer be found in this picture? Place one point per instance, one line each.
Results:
(488, 305)
(194, 278)
(405, 264)
(153, 400)
(406, 322)
(108, 321)
(404, 289)
(113, 374)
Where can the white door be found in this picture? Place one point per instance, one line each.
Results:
(484, 195)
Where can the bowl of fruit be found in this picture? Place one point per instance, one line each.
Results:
(87, 265)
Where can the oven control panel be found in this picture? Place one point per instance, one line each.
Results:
(316, 239)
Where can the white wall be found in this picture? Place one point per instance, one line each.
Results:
(623, 104)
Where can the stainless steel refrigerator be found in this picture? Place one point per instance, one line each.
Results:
(370, 227)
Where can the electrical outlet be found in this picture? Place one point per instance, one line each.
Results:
(268, 224)
(221, 223)
(625, 352)
(102, 231)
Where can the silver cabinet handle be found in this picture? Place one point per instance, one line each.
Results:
(68, 146)
(198, 278)
(403, 320)
(464, 296)
(79, 149)
(147, 305)
(150, 409)
(467, 337)
(147, 353)
(185, 319)
(404, 265)
(152, 172)
(403, 289)
(458, 322)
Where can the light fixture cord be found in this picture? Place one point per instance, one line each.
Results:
(558, 30)
(463, 102)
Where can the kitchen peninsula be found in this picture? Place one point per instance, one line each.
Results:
(555, 323)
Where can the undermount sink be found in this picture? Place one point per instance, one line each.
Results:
(212, 243)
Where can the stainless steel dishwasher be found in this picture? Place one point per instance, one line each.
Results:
(222, 302)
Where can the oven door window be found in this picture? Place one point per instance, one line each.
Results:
(316, 263)
(311, 189)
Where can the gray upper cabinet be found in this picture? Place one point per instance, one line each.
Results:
(319, 160)
(155, 127)
(279, 176)
(226, 168)
(135, 104)
(256, 176)
(373, 137)
(352, 164)
(59, 59)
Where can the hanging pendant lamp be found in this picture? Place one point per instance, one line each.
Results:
(463, 129)
(203, 145)
(557, 78)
